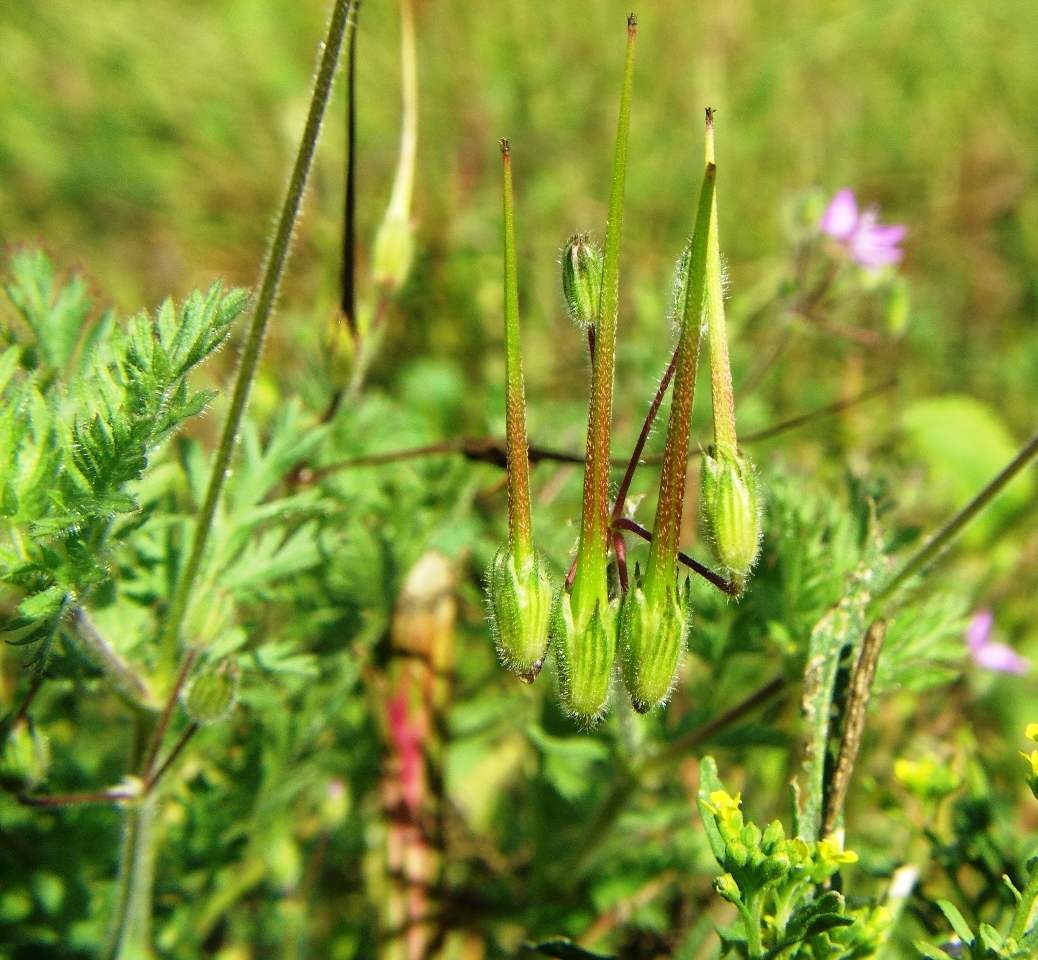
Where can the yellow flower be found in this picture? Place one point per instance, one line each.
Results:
(1032, 759)
(722, 803)
(830, 851)
(1032, 732)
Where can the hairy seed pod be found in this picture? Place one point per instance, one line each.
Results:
(25, 758)
(211, 696)
(582, 279)
(731, 511)
(652, 638)
(584, 653)
(521, 599)
(679, 290)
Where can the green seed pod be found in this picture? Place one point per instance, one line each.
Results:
(652, 638)
(584, 653)
(731, 511)
(582, 279)
(679, 292)
(25, 758)
(520, 612)
(211, 695)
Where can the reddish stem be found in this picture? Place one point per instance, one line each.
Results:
(725, 586)
(650, 417)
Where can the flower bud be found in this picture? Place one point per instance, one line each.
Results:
(731, 511)
(727, 888)
(773, 840)
(652, 638)
(212, 694)
(520, 612)
(584, 652)
(394, 250)
(582, 279)
(25, 758)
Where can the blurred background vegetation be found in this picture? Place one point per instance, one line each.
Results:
(146, 145)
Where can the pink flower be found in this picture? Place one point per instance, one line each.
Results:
(869, 244)
(990, 655)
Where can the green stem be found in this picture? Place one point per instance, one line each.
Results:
(723, 401)
(666, 531)
(944, 537)
(1024, 907)
(131, 933)
(519, 524)
(126, 683)
(274, 268)
(589, 586)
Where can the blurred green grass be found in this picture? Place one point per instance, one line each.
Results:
(149, 143)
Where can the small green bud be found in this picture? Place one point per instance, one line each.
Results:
(394, 250)
(731, 511)
(520, 612)
(25, 758)
(774, 838)
(738, 853)
(584, 652)
(340, 349)
(212, 694)
(727, 888)
(652, 638)
(582, 279)
(751, 835)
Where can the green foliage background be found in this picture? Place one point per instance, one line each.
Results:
(145, 146)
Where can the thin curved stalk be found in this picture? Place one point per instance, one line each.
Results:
(944, 537)
(270, 281)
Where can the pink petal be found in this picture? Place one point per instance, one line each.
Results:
(998, 656)
(979, 630)
(876, 246)
(840, 219)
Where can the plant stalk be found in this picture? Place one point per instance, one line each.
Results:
(944, 537)
(270, 281)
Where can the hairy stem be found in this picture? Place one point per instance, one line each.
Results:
(349, 220)
(725, 586)
(643, 436)
(854, 724)
(274, 268)
(125, 681)
(132, 935)
(944, 537)
(1024, 908)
